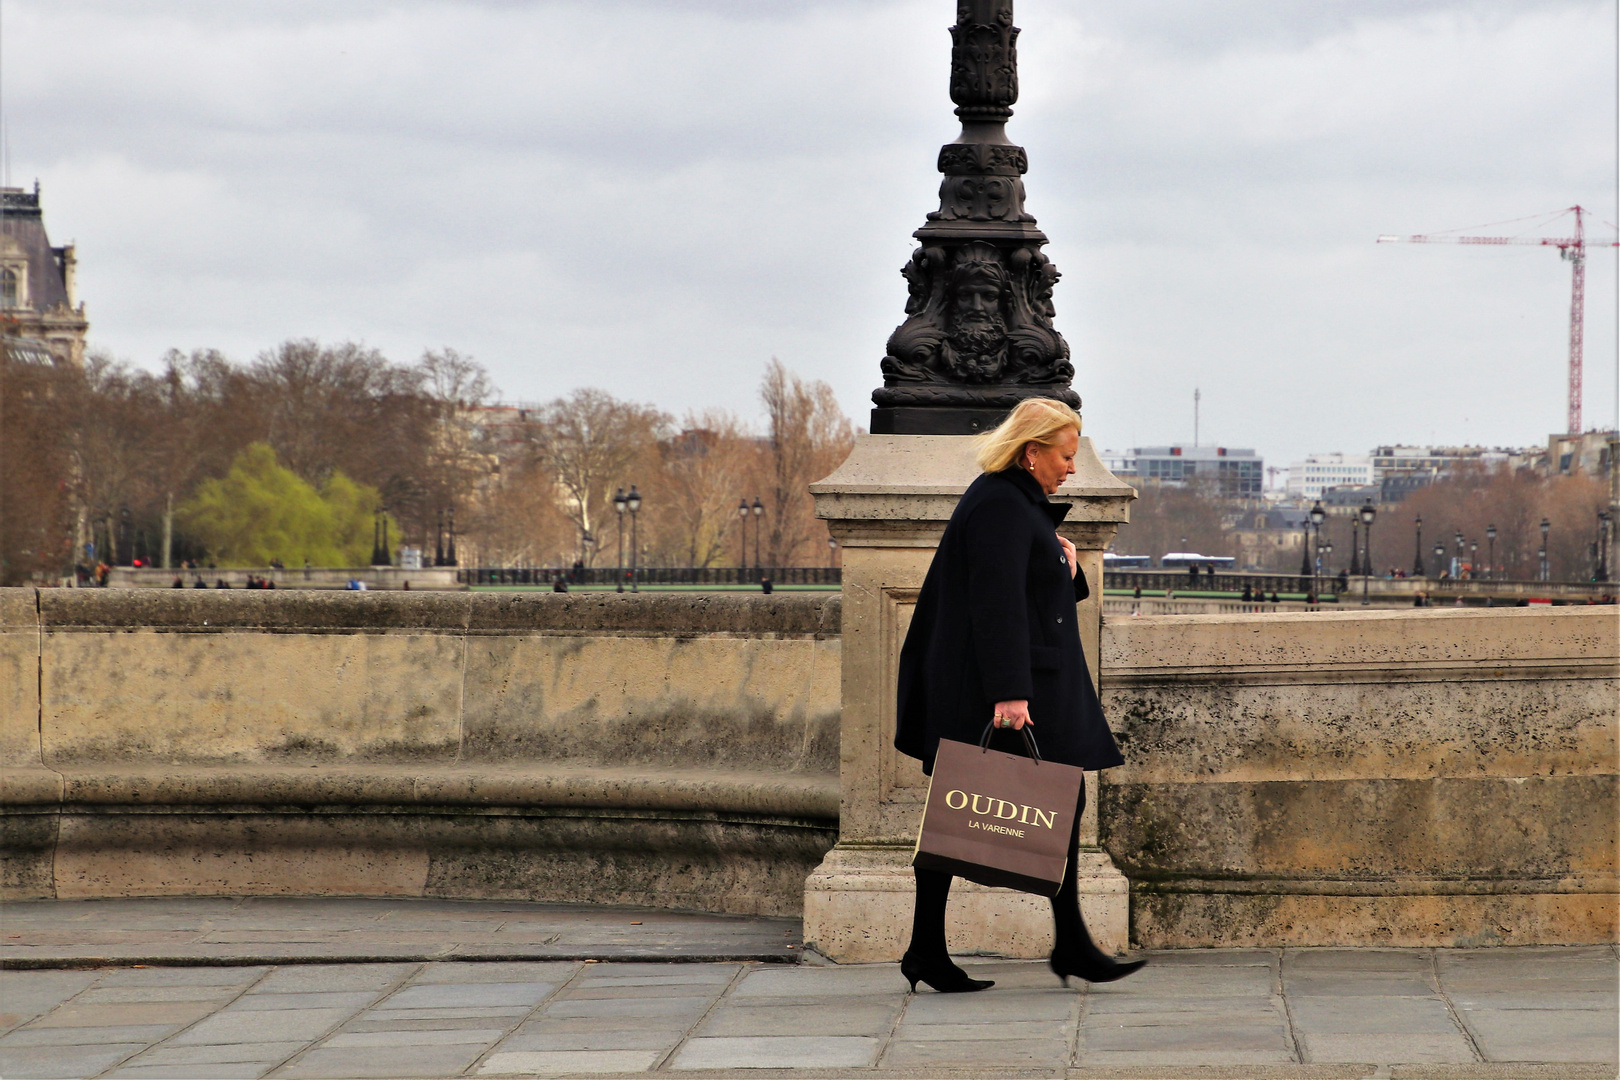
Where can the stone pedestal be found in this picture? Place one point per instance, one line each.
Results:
(888, 505)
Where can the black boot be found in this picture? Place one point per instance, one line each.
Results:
(1074, 953)
(926, 959)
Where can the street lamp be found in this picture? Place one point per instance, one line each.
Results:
(1355, 547)
(1546, 526)
(1367, 512)
(742, 518)
(759, 521)
(1473, 558)
(632, 502)
(832, 552)
(1490, 553)
(1318, 515)
(1417, 563)
(619, 500)
(1327, 558)
(1603, 546)
(450, 536)
(1456, 562)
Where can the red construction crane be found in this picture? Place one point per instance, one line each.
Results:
(1572, 248)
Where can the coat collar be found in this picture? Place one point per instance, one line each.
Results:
(1025, 483)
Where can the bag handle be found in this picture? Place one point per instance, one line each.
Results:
(1029, 740)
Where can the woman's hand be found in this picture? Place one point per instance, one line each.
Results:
(1013, 714)
(1070, 554)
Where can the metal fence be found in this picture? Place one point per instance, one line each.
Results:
(830, 576)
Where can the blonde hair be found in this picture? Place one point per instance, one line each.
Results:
(1034, 420)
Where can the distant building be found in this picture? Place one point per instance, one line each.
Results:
(1309, 478)
(40, 312)
(1589, 453)
(1270, 539)
(1234, 473)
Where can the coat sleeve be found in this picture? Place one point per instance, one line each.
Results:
(1081, 589)
(997, 541)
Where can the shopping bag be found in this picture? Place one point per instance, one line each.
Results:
(999, 819)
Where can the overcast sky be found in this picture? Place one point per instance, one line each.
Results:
(655, 198)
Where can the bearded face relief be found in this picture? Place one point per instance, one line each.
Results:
(976, 338)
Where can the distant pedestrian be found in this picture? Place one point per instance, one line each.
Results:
(222, 584)
(178, 584)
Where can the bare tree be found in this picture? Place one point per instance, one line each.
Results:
(808, 437)
(705, 468)
(589, 442)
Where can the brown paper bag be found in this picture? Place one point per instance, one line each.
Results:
(999, 819)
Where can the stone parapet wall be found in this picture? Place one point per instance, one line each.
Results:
(1404, 778)
(1400, 777)
(672, 750)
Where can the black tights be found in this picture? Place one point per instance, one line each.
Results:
(934, 889)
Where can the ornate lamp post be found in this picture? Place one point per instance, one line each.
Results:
(1317, 516)
(978, 335)
(450, 536)
(1327, 557)
(1355, 547)
(1490, 551)
(1603, 546)
(1456, 562)
(1417, 562)
(632, 503)
(1473, 558)
(759, 521)
(1546, 526)
(619, 501)
(832, 552)
(1366, 513)
(742, 523)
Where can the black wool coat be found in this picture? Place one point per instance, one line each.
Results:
(996, 621)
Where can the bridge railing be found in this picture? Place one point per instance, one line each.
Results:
(827, 576)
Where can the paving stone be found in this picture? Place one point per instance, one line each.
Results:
(357, 1062)
(484, 1036)
(85, 1036)
(325, 978)
(1260, 1038)
(1543, 1034)
(1211, 958)
(219, 1070)
(232, 1026)
(1369, 1016)
(524, 971)
(125, 1014)
(817, 982)
(1387, 1049)
(931, 1008)
(183, 976)
(370, 1022)
(1604, 999)
(472, 1012)
(1006, 1030)
(568, 1062)
(969, 1053)
(657, 974)
(1124, 1005)
(111, 995)
(630, 1007)
(1200, 1059)
(548, 1036)
(778, 1052)
(463, 995)
(57, 1062)
(335, 999)
(271, 1052)
(27, 994)
(1304, 961)
(860, 1017)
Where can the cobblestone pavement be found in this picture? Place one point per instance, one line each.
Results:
(1306, 1013)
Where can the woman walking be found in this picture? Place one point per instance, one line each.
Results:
(995, 639)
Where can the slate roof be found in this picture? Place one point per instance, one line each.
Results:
(21, 219)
